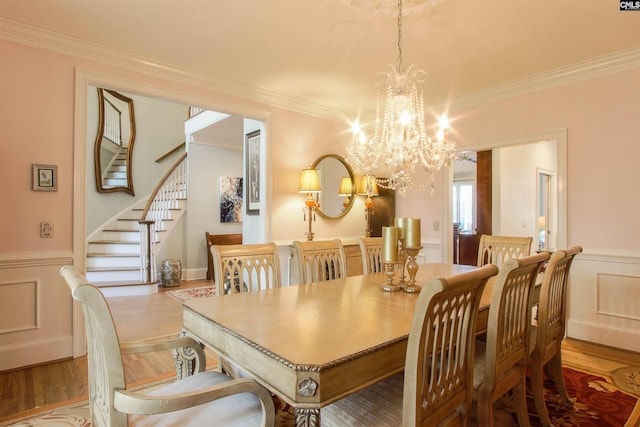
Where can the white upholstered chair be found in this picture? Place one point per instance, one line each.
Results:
(502, 359)
(202, 398)
(242, 268)
(371, 249)
(320, 260)
(499, 249)
(548, 330)
(438, 373)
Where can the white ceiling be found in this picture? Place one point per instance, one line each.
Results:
(326, 52)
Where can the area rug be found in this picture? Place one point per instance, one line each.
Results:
(189, 293)
(597, 401)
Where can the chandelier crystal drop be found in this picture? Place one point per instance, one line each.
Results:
(400, 144)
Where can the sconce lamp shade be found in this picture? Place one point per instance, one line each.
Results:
(309, 181)
(368, 187)
(346, 186)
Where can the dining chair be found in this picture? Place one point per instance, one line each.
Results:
(218, 239)
(548, 331)
(499, 249)
(201, 398)
(438, 372)
(243, 268)
(320, 260)
(501, 360)
(371, 249)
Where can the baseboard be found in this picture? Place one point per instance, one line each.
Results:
(623, 338)
(28, 353)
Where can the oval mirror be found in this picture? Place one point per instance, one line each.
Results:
(338, 186)
(112, 153)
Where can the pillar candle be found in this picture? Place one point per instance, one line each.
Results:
(401, 223)
(389, 244)
(412, 233)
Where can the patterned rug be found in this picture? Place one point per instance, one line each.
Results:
(598, 402)
(189, 293)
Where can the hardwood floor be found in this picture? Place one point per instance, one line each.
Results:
(136, 318)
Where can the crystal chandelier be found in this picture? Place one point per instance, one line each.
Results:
(400, 144)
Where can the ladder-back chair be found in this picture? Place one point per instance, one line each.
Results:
(438, 372)
(501, 361)
(320, 260)
(244, 268)
(548, 330)
(371, 249)
(499, 249)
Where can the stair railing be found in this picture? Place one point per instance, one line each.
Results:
(166, 196)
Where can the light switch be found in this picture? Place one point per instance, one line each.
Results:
(46, 229)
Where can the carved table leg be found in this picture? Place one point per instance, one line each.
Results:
(307, 417)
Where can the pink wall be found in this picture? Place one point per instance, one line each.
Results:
(601, 116)
(37, 125)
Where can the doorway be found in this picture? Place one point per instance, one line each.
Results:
(528, 177)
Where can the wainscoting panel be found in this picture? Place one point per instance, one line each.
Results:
(24, 311)
(604, 295)
(36, 309)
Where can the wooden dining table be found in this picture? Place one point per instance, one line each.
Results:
(315, 343)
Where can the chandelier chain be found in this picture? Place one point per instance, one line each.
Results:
(400, 35)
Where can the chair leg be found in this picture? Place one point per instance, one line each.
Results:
(485, 410)
(520, 400)
(553, 369)
(537, 390)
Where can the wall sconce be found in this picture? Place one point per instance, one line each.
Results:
(345, 190)
(368, 188)
(310, 184)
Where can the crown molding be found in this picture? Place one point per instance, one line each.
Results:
(596, 67)
(40, 38)
(21, 33)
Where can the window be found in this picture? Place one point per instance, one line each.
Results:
(464, 205)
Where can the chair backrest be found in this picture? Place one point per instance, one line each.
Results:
(499, 249)
(371, 249)
(509, 323)
(553, 299)
(320, 260)
(218, 239)
(440, 351)
(244, 268)
(106, 372)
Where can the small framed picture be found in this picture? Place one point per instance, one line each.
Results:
(45, 177)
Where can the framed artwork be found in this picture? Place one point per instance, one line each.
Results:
(230, 199)
(44, 177)
(252, 161)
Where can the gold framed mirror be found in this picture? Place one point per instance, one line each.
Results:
(336, 198)
(113, 150)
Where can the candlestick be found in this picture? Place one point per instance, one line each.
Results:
(389, 286)
(389, 244)
(412, 269)
(412, 238)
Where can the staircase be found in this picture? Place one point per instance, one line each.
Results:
(116, 260)
(116, 173)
